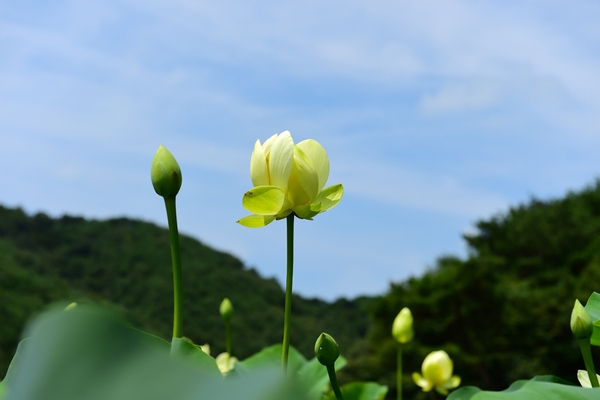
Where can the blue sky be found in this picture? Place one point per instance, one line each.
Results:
(434, 114)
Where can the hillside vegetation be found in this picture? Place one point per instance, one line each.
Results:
(502, 313)
(126, 265)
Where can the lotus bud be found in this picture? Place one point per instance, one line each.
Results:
(165, 173)
(326, 349)
(581, 322)
(226, 310)
(402, 328)
(437, 373)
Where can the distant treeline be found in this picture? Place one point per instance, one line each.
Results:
(502, 314)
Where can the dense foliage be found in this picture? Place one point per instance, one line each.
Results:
(126, 265)
(503, 313)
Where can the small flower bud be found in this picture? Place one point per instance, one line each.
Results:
(402, 328)
(326, 349)
(226, 310)
(165, 173)
(437, 373)
(581, 322)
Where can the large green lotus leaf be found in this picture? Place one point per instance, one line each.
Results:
(313, 375)
(361, 391)
(16, 360)
(187, 352)
(269, 357)
(538, 388)
(87, 354)
(155, 340)
(593, 308)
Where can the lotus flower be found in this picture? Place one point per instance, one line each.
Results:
(437, 373)
(288, 178)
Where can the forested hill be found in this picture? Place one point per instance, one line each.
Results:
(503, 313)
(126, 264)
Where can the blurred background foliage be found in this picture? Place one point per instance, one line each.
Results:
(502, 313)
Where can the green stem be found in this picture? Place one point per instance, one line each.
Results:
(288, 292)
(334, 383)
(176, 261)
(586, 352)
(399, 373)
(228, 337)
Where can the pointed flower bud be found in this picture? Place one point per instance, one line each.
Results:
(326, 349)
(437, 373)
(581, 322)
(165, 173)
(225, 363)
(226, 310)
(402, 328)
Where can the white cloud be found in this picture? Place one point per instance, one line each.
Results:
(404, 187)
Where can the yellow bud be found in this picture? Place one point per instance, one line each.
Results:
(165, 173)
(437, 373)
(581, 322)
(226, 310)
(402, 328)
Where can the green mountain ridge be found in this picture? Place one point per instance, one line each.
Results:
(125, 264)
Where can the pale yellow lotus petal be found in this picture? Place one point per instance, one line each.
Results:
(584, 378)
(304, 182)
(330, 196)
(264, 200)
(256, 221)
(205, 348)
(259, 171)
(281, 159)
(318, 156)
(268, 143)
(451, 383)
(225, 363)
(422, 382)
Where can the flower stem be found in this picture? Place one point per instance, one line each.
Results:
(399, 373)
(176, 261)
(228, 337)
(586, 352)
(334, 383)
(288, 292)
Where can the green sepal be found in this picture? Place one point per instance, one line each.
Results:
(308, 211)
(182, 349)
(256, 221)
(264, 200)
(330, 196)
